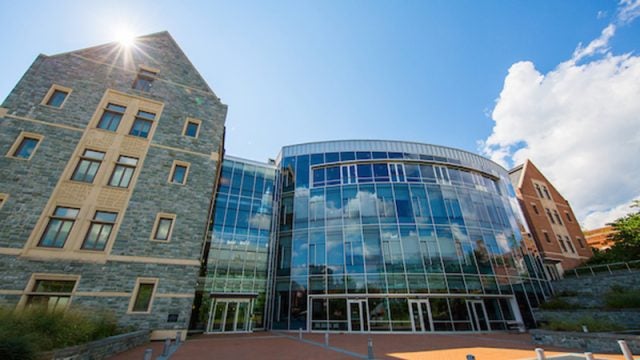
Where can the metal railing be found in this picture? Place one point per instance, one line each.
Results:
(604, 268)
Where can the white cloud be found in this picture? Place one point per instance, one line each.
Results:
(628, 10)
(579, 123)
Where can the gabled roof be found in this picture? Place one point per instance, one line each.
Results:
(162, 44)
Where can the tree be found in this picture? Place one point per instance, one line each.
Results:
(626, 240)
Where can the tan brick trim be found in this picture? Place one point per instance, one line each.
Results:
(10, 251)
(153, 260)
(172, 295)
(61, 126)
(11, 292)
(103, 293)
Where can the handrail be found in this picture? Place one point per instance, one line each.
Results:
(593, 269)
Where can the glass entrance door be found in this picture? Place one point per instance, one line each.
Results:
(230, 315)
(420, 315)
(358, 315)
(479, 318)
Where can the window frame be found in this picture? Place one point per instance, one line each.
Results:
(101, 223)
(118, 163)
(53, 216)
(3, 199)
(147, 74)
(35, 277)
(189, 120)
(138, 118)
(49, 96)
(156, 226)
(176, 163)
(136, 291)
(105, 110)
(84, 157)
(18, 142)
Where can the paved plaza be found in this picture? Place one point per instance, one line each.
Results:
(286, 345)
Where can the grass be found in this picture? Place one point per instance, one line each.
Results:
(23, 333)
(620, 298)
(557, 304)
(592, 324)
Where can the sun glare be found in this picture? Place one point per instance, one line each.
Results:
(125, 37)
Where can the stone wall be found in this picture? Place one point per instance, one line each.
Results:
(99, 349)
(589, 291)
(629, 319)
(586, 342)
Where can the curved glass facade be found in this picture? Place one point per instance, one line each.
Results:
(397, 236)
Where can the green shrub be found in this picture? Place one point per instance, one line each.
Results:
(557, 304)
(619, 298)
(24, 332)
(592, 324)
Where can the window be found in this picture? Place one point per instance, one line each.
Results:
(580, 242)
(535, 209)
(550, 216)
(348, 174)
(569, 219)
(539, 190)
(88, 166)
(143, 295)
(396, 172)
(56, 96)
(111, 117)
(163, 227)
(546, 192)
(59, 227)
(555, 213)
(144, 80)
(123, 172)
(442, 174)
(142, 124)
(179, 173)
(52, 294)
(25, 146)
(100, 230)
(570, 244)
(191, 127)
(546, 237)
(564, 247)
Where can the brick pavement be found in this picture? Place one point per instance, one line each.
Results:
(287, 346)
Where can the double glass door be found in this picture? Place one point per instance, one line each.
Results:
(358, 315)
(478, 313)
(420, 315)
(230, 315)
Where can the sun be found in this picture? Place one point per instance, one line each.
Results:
(125, 37)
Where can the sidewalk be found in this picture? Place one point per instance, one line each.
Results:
(285, 346)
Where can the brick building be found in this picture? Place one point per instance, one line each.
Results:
(599, 238)
(551, 221)
(109, 157)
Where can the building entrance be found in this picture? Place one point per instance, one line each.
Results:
(358, 315)
(420, 315)
(230, 315)
(478, 313)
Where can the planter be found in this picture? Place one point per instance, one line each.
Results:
(99, 349)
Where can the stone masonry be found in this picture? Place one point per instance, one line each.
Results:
(30, 184)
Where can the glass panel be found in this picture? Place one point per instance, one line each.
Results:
(241, 324)
(164, 226)
(229, 321)
(57, 98)
(26, 147)
(218, 313)
(143, 297)
(179, 173)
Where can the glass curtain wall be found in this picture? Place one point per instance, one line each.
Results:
(394, 241)
(236, 271)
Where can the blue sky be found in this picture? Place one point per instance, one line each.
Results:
(298, 71)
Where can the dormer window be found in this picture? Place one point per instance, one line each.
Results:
(144, 80)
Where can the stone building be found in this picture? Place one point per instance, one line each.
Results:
(109, 161)
(551, 221)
